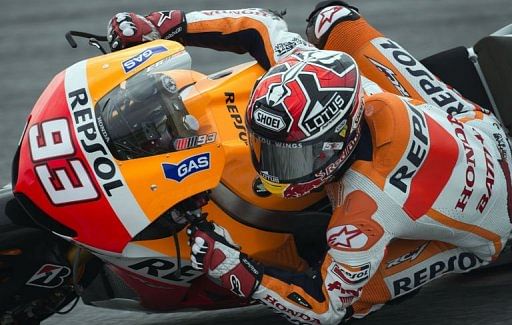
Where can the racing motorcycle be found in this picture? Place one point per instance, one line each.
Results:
(123, 151)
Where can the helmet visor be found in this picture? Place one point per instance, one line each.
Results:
(282, 162)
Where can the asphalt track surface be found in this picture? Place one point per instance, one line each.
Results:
(33, 50)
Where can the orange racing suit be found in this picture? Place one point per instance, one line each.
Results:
(429, 192)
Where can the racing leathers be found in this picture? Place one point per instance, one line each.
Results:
(428, 193)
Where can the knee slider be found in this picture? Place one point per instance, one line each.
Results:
(324, 17)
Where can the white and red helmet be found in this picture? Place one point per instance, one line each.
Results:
(304, 120)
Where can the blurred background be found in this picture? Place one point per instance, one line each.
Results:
(33, 50)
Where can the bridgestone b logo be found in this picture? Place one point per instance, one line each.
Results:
(49, 276)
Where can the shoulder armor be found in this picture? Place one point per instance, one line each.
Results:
(388, 121)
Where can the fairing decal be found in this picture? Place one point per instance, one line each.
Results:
(106, 170)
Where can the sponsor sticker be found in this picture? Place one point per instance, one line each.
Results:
(319, 119)
(268, 120)
(346, 296)
(417, 149)
(93, 145)
(391, 76)
(351, 275)
(234, 113)
(409, 256)
(259, 189)
(282, 48)
(332, 146)
(195, 141)
(336, 285)
(266, 175)
(346, 236)
(328, 16)
(187, 167)
(159, 269)
(431, 89)
(89, 135)
(49, 276)
(432, 268)
(142, 57)
(285, 308)
(235, 285)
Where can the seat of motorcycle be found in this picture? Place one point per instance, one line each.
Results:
(494, 56)
(455, 68)
(311, 221)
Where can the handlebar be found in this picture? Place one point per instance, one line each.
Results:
(94, 40)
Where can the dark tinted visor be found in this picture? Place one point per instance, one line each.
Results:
(283, 163)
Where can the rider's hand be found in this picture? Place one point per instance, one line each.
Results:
(128, 29)
(214, 252)
(323, 15)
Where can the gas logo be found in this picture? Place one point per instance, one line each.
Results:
(134, 62)
(187, 167)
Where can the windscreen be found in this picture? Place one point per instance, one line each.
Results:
(144, 116)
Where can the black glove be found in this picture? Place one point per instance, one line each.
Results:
(129, 29)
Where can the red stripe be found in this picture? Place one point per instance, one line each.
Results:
(506, 172)
(435, 172)
(181, 144)
(94, 221)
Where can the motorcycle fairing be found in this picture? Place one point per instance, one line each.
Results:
(104, 227)
(218, 102)
(67, 171)
(51, 161)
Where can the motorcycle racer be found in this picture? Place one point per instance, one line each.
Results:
(422, 164)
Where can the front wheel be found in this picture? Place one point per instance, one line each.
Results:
(35, 276)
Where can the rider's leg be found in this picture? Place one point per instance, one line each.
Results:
(408, 265)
